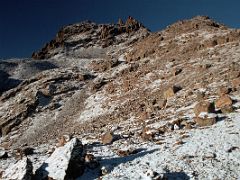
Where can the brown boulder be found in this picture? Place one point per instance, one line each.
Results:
(223, 101)
(204, 106)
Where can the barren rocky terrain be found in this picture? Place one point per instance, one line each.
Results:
(116, 101)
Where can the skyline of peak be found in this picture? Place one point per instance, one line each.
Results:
(27, 25)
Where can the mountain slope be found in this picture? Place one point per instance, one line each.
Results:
(172, 96)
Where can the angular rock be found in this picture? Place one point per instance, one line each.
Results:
(107, 138)
(224, 101)
(22, 170)
(204, 106)
(66, 162)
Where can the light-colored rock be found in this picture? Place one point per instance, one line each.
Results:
(22, 170)
(66, 162)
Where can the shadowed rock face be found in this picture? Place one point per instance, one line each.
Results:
(6, 82)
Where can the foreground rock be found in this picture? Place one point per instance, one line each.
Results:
(65, 163)
(22, 170)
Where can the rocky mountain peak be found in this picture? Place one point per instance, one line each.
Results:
(196, 23)
(87, 34)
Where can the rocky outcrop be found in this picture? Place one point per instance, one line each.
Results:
(66, 162)
(87, 34)
(192, 31)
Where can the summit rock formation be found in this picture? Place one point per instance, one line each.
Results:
(154, 105)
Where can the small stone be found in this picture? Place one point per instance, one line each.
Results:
(223, 101)
(105, 170)
(176, 127)
(155, 175)
(204, 106)
(107, 138)
(180, 142)
(123, 153)
(22, 170)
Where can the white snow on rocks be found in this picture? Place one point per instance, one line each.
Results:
(57, 165)
(209, 153)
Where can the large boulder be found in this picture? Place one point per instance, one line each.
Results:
(66, 162)
(22, 170)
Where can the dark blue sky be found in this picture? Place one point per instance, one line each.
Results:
(26, 25)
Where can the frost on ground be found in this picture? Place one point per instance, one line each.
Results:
(209, 153)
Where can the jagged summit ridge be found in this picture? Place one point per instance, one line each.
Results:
(87, 34)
